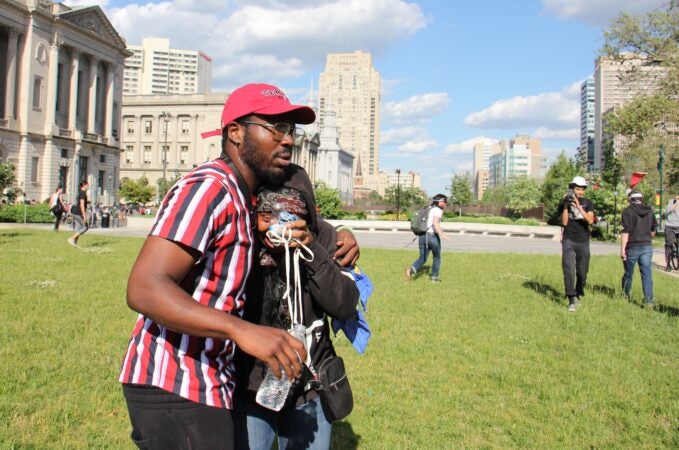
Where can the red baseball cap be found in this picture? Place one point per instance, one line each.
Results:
(262, 99)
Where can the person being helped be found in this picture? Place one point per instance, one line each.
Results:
(188, 283)
(638, 229)
(577, 214)
(325, 291)
(79, 213)
(671, 228)
(57, 206)
(431, 240)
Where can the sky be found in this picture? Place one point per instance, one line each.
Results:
(453, 72)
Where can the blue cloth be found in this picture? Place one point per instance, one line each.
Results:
(357, 329)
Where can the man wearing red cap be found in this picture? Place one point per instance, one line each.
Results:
(189, 278)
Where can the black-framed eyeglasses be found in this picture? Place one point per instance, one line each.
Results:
(278, 130)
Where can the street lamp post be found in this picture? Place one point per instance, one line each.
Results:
(398, 192)
(166, 119)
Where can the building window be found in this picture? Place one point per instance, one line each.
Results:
(100, 182)
(64, 153)
(147, 154)
(37, 92)
(184, 154)
(185, 127)
(129, 154)
(34, 169)
(148, 126)
(130, 126)
(102, 158)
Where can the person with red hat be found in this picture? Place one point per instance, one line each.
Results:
(188, 282)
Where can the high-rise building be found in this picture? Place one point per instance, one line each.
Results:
(614, 86)
(587, 99)
(156, 68)
(482, 153)
(61, 74)
(520, 156)
(351, 85)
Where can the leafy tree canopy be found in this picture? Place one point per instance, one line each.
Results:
(461, 189)
(8, 189)
(328, 200)
(139, 191)
(555, 184)
(407, 197)
(524, 193)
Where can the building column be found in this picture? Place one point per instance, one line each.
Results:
(73, 91)
(52, 88)
(10, 85)
(92, 97)
(108, 128)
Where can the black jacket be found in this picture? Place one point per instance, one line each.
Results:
(326, 292)
(639, 222)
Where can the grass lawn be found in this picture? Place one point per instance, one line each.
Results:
(490, 358)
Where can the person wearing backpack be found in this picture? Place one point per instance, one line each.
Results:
(431, 240)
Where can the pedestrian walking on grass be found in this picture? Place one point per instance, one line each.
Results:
(577, 214)
(57, 206)
(671, 228)
(431, 241)
(638, 229)
(79, 213)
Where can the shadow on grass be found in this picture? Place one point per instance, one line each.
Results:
(544, 289)
(343, 437)
(669, 310)
(605, 290)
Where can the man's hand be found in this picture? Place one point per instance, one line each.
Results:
(348, 251)
(300, 233)
(623, 255)
(276, 347)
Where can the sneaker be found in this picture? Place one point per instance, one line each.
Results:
(668, 268)
(650, 305)
(408, 275)
(72, 242)
(435, 280)
(571, 307)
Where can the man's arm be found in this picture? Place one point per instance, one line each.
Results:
(624, 237)
(83, 209)
(154, 290)
(587, 215)
(437, 227)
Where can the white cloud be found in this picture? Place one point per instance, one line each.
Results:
(398, 135)
(597, 12)
(417, 108)
(559, 135)
(551, 110)
(418, 146)
(243, 38)
(468, 145)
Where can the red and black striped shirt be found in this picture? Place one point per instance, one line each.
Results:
(208, 212)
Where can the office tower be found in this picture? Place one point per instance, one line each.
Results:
(587, 97)
(482, 153)
(155, 68)
(60, 97)
(351, 85)
(614, 87)
(520, 156)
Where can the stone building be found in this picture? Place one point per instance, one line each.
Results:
(60, 95)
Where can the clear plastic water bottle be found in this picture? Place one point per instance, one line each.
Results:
(273, 391)
(279, 217)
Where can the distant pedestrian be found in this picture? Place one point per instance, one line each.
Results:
(577, 214)
(671, 228)
(638, 230)
(57, 206)
(431, 240)
(79, 213)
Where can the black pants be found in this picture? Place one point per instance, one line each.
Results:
(57, 221)
(162, 420)
(575, 265)
(670, 233)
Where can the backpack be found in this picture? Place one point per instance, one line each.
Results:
(418, 223)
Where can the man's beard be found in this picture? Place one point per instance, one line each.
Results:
(257, 162)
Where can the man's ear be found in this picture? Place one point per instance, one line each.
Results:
(235, 133)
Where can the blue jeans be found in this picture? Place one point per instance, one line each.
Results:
(429, 241)
(303, 427)
(575, 266)
(643, 254)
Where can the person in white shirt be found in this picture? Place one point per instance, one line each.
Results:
(431, 240)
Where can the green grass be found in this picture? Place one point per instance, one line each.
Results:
(490, 358)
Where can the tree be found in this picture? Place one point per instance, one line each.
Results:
(328, 200)
(524, 193)
(165, 185)
(8, 189)
(408, 196)
(647, 121)
(555, 184)
(496, 194)
(139, 191)
(461, 189)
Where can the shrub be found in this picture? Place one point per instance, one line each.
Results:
(39, 213)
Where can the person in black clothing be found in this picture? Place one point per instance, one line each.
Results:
(79, 213)
(638, 229)
(577, 214)
(326, 291)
